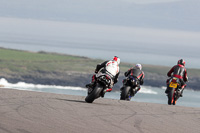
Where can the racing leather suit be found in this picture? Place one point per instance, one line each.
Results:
(179, 72)
(137, 73)
(109, 67)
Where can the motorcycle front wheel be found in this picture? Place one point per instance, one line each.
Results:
(94, 94)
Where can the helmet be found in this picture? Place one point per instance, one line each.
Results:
(181, 62)
(117, 59)
(139, 66)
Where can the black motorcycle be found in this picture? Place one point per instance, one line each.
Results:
(129, 89)
(173, 90)
(103, 82)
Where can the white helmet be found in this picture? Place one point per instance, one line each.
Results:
(117, 59)
(139, 66)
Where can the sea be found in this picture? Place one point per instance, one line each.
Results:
(131, 44)
(147, 94)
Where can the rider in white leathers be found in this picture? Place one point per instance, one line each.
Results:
(110, 67)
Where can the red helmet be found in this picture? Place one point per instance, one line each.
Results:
(181, 62)
(115, 58)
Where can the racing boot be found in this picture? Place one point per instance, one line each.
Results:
(167, 90)
(103, 93)
(109, 90)
(90, 85)
(181, 91)
(137, 89)
(181, 95)
(121, 88)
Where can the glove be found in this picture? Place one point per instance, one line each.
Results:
(95, 71)
(125, 74)
(187, 78)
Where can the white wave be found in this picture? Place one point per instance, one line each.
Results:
(32, 87)
(28, 86)
(147, 90)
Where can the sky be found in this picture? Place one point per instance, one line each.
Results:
(150, 1)
(161, 14)
(164, 14)
(148, 31)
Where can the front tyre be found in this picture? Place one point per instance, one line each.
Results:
(126, 93)
(94, 94)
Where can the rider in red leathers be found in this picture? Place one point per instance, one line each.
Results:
(179, 71)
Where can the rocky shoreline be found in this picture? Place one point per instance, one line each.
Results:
(57, 69)
(81, 79)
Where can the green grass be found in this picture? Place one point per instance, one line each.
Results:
(24, 62)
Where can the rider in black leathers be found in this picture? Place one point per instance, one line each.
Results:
(137, 73)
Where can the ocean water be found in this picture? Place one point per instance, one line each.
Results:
(146, 94)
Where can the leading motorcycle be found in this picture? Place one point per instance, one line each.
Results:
(173, 90)
(102, 85)
(129, 89)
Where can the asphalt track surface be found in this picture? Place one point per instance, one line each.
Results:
(37, 112)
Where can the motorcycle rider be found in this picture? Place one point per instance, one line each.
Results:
(179, 71)
(109, 67)
(136, 72)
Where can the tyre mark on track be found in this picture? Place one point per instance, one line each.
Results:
(5, 130)
(137, 125)
(131, 115)
(138, 122)
(116, 126)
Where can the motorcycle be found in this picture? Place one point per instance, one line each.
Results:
(102, 85)
(173, 90)
(129, 89)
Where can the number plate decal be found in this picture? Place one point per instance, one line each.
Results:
(173, 85)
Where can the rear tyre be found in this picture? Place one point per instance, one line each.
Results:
(170, 96)
(174, 102)
(126, 93)
(175, 98)
(94, 94)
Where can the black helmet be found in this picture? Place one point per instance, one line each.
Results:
(181, 62)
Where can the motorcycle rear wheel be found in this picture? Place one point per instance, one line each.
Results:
(126, 93)
(94, 94)
(170, 96)
(174, 102)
